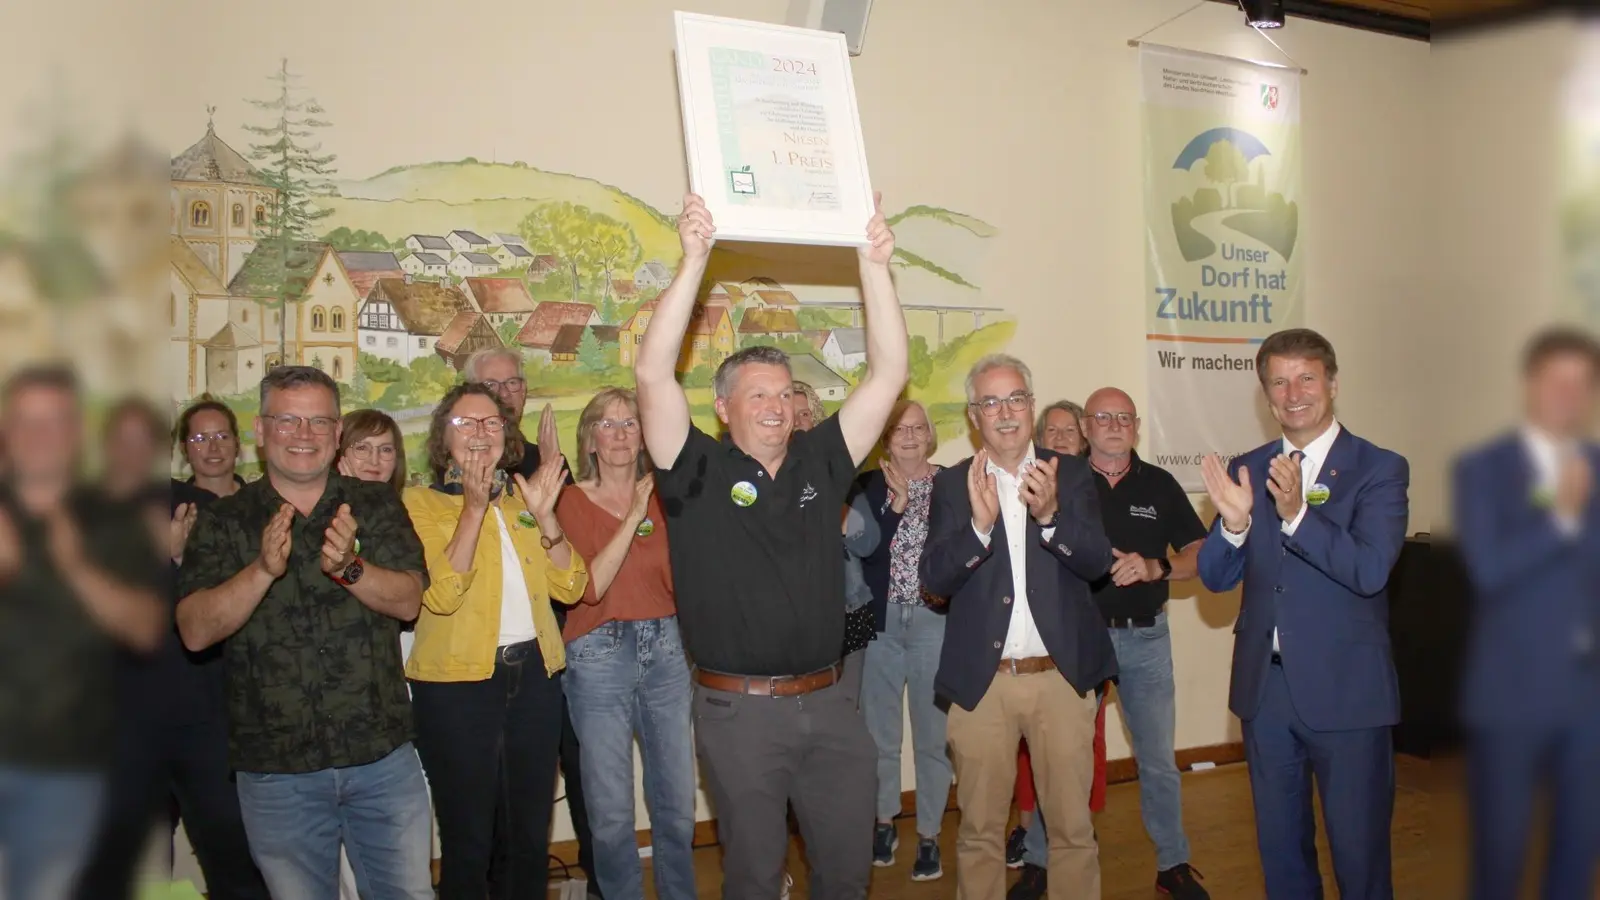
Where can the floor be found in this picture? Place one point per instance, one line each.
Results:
(1428, 839)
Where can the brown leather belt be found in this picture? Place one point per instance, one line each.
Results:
(1033, 665)
(772, 685)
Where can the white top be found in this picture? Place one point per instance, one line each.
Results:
(1316, 453)
(1022, 637)
(516, 609)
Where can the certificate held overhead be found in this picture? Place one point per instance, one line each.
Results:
(772, 132)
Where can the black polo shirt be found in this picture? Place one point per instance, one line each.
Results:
(760, 583)
(1149, 514)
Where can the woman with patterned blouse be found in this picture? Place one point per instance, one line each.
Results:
(910, 626)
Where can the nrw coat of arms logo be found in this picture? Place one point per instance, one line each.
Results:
(1269, 96)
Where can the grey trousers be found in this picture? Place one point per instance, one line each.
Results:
(759, 755)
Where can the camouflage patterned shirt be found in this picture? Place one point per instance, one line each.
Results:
(314, 676)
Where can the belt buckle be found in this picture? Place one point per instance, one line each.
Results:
(1013, 662)
(772, 686)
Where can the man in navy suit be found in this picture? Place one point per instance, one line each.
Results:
(1014, 539)
(1313, 678)
(1528, 522)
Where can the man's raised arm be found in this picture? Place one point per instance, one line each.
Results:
(663, 408)
(867, 409)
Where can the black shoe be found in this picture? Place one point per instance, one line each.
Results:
(1179, 882)
(885, 840)
(1033, 885)
(1019, 836)
(927, 867)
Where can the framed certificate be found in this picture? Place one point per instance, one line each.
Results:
(772, 131)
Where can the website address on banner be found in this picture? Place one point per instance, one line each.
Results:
(1174, 460)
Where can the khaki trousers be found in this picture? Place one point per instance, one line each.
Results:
(1059, 726)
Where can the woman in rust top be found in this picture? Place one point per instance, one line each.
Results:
(626, 669)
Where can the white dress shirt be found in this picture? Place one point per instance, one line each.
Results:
(1547, 454)
(516, 609)
(1315, 454)
(1022, 638)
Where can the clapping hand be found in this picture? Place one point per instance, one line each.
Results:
(1283, 483)
(1233, 499)
(1037, 487)
(539, 493)
(182, 523)
(899, 487)
(477, 480)
(549, 440)
(274, 556)
(641, 499)
(983, 493)
(1131, 568)
(338, 542)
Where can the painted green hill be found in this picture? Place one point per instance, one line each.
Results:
(434, 198)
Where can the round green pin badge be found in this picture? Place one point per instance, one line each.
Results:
(1317, 494)
(356, 547)
(743, 493)
(646, 528)
(525, 519)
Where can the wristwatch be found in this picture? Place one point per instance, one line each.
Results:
(1051, 523)
(1166, 567)
(351, 573)
(548, 542)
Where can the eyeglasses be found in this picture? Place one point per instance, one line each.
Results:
(366, 451)
(990, 406)
(489, 424)
(1104, 419)
(210, 437)
(910, 430)
(290, 424)
(628, 426)
(510, 384)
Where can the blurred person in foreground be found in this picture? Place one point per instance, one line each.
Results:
(79, 579)
(1528, 522)
(172, 746)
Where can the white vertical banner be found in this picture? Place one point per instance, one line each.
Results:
(1223, 251)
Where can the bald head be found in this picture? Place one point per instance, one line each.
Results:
(1111, 424)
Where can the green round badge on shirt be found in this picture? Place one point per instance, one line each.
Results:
(356, 547)
(525, 519)
(1317, 494)
(743, 493)
(646, 528)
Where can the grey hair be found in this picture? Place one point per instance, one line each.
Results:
(284, 378)
(1066, 406)
(469, 371)
(761, 354)
(997, 361)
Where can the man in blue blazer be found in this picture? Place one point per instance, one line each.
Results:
(1014, 538)
(1528, 523)
(1312, 524)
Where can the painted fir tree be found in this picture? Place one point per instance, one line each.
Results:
(290, 160)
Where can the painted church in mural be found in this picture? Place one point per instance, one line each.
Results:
(389, 283)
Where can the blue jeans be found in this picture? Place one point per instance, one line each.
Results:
(906, 655)
(47, 826)
(1149, 708)
(379, 811)
(622, 679)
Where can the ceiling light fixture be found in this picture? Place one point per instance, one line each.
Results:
(1263, 13)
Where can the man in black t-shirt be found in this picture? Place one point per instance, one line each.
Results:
(1156, 536)
(758, 570)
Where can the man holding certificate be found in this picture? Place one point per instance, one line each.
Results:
(759, 576)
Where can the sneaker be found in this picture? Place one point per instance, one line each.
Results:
(885, 840)
(1014, 844)
(788, 885)
(1179, 882)
(1033, 885)
(927, 867)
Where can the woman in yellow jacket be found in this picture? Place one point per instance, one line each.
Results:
(486, 666)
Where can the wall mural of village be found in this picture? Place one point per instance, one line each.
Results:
(388, 283)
